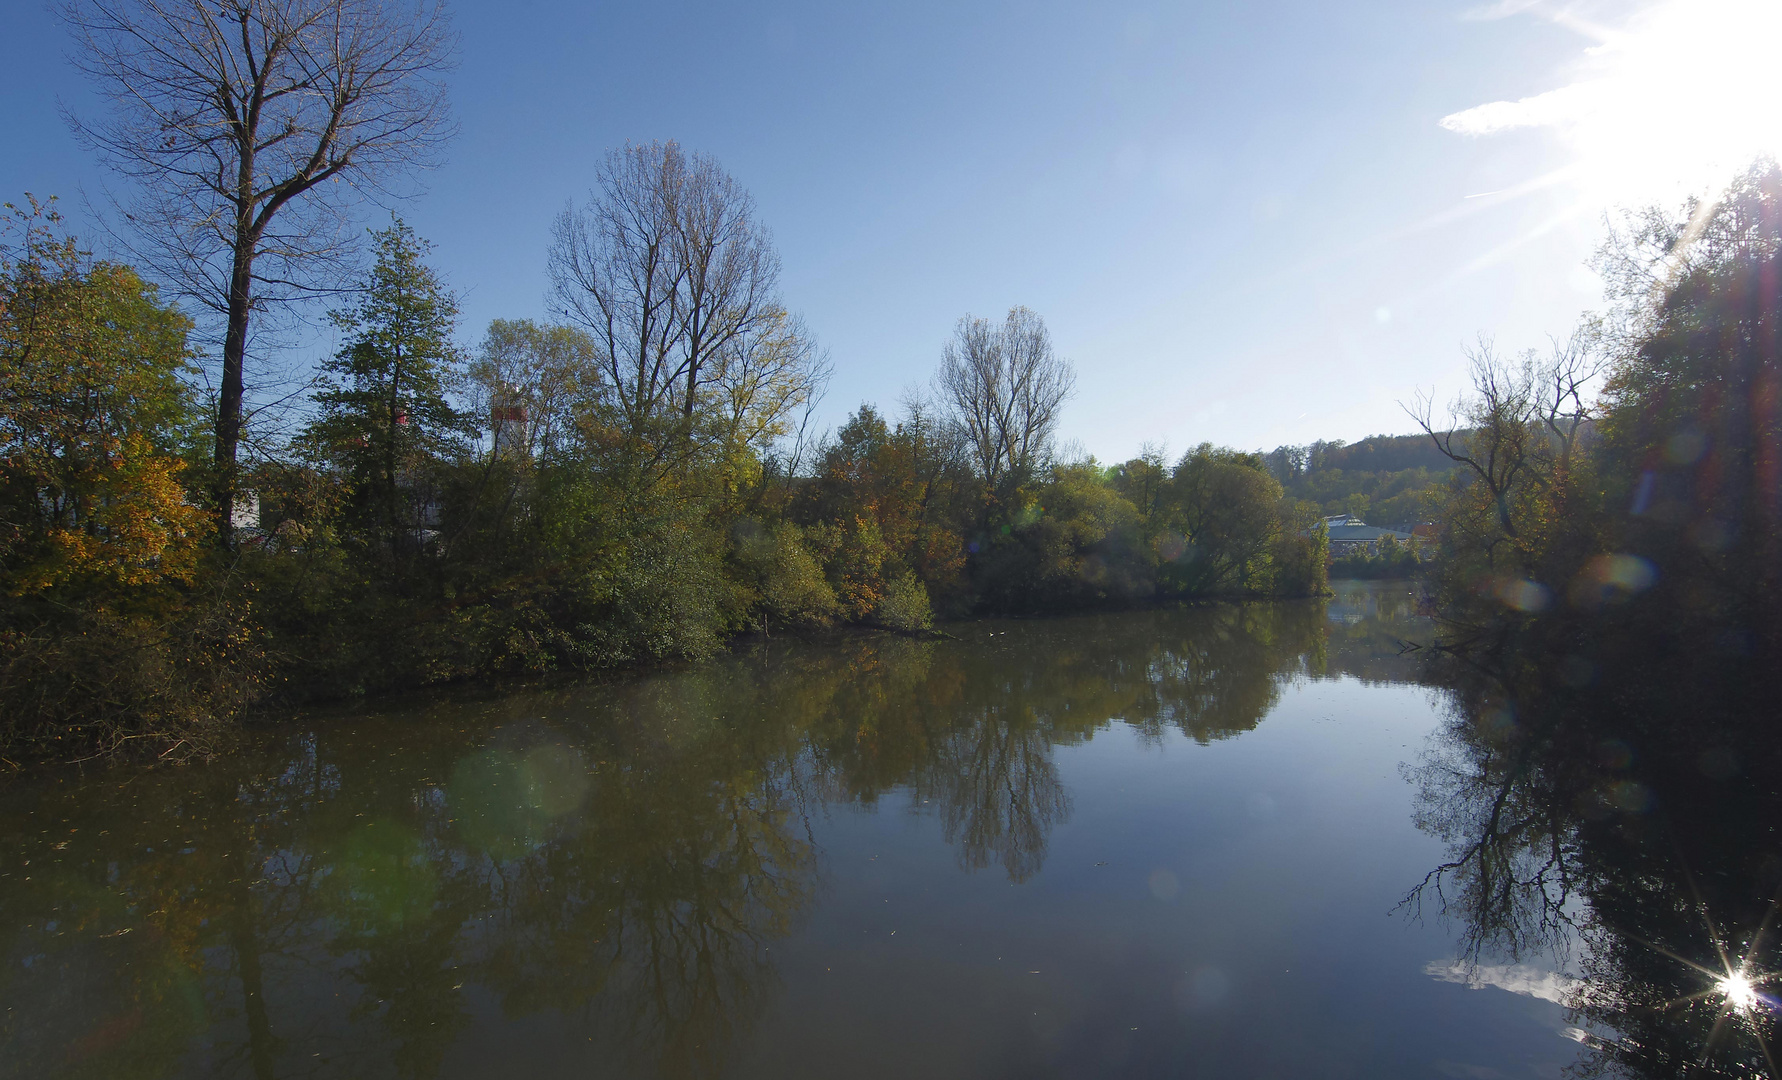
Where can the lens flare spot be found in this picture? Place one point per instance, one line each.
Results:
(1611, 578)
(1685, 447)
(1205, 988)
(1520, 594)
(1630, 797)
(1499, 724)
(556, 779)
(1616, 754)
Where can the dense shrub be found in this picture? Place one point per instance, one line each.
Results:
(904, 605)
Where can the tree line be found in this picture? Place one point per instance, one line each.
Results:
(635, 480)
(184, 532)
(1386, 480)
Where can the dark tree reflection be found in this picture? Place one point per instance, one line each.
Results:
(353, 896)
(1586, 816)
(999, 794)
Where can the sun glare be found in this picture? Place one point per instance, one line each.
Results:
(1739, 992)
(1675, 101)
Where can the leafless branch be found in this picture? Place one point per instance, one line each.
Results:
(1005, 386)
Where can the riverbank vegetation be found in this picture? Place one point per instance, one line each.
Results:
(1636, 528)
(1388, 559)
(1608, 581)
(636, 483)
(183, 536)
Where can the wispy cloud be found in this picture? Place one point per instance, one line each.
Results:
(1675, 97)
(1555, 108)
(1564, 15)
(1503, 9)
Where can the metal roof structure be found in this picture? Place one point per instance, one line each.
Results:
(1360, 533)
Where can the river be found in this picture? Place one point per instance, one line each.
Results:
(1163, 843)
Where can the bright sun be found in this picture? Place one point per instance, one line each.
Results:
(1676, 100)
(1740, 994)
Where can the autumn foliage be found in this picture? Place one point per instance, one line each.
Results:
(102, 549)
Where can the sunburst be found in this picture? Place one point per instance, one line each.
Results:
(1737, 985)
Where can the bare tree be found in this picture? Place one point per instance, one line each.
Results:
(251, 128)
(764, 379)
(1492, 433)
(1517, 431)
(679, 285)
(1564, 398)
(1005, 386)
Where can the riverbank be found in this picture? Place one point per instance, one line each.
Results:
(223, 735)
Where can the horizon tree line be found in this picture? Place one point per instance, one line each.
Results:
(636, 483)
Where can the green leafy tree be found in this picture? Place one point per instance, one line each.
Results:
(1075, 542)
(786, 578)
(1229, 512)
(1691, 420)
(885, 502)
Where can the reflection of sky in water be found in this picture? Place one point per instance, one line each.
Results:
(885, 858)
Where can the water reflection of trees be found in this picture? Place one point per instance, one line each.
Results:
(1582, 815)
(339, 902)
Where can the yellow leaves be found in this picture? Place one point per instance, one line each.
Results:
(90, 389)
(133, 527)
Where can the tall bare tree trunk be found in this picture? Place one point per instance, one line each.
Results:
(232, 391)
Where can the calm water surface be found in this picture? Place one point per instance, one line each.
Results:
(1147, 844)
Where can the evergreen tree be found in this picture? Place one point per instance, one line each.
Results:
(385, 420)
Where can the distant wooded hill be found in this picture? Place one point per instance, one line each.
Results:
(1382, 478)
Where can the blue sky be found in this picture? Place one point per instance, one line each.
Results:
(1244, 222)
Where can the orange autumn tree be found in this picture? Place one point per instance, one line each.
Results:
(878, 516)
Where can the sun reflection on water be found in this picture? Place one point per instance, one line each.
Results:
(1739, 992)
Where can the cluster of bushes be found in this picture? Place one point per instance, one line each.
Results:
(1388, 559)
(902, 502)
(545, 501)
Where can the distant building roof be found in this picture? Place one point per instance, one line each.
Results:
(1355, 531)
(1349, 529)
